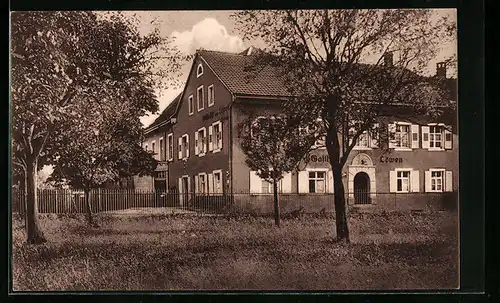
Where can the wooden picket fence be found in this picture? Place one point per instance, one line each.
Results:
(60, 201)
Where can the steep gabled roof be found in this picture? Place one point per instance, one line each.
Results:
(232, 70)
(166, 114)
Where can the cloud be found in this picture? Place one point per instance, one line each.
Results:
(207, 34)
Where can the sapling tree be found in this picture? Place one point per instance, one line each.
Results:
(60, 57)
(349, 68)
(273, 146)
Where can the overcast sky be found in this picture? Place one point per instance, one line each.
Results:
(215, 30)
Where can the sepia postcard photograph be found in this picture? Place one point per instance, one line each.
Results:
(249, 150)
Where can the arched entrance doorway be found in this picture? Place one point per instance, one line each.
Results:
(362, 188)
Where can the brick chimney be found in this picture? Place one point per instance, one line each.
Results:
(441, 69)
(388, 59)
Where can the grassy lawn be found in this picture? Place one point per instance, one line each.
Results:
(387, 251)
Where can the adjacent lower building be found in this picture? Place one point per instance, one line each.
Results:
(196, 141)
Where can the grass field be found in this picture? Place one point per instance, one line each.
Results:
(387, 251)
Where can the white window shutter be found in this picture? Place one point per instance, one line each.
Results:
(221, 136)
(210, 183)
(448, 144)
(448, 179)
(329, 182)
(255, 183)
(204, 140)
(196, 184)
(374, 135)
(286, 183)
(180, 186)
(196, 139)
(393, 183)
(415, 181)
(427, 181)
(179, 154)
(187, 147)
(303, 181)
(391, 128)
(210, 139)
(414, 136)
(425, 137)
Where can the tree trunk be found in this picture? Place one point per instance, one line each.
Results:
(86, 193)
(276, 204)
(333, 148)
(340, 205)
(35, 234)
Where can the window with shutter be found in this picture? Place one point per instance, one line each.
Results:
(414, 136)
(392, 181)
(449, 181)
(303, 181)
(436, 178)
(210, 183)
(436, 137)
(415, 181)
(448, 139)
(217, 129)
(179, 147)
(425, 137)
(196, 140)
(391, 128)
(210, 139)
(217, 176)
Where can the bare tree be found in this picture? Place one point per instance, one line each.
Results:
(348, 67)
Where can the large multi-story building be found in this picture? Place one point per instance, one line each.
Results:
(196, 140)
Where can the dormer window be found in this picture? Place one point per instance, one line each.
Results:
(199, 71)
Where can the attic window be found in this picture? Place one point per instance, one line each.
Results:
(199, 70)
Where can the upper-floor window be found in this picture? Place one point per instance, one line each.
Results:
(191, 104)
(217, 134)
(200, 142)
(199, 70)
(436, 137)
(199, 98)
(170, 147)
(211, 95)
(403, 135)
(367, 139)
(146, 147)
(183, 147)
(162, 150)
(153, 148)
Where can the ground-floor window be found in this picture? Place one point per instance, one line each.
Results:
(317, 182)
(437, 180)
(217, 182)
(403, 181)
(267, 187)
